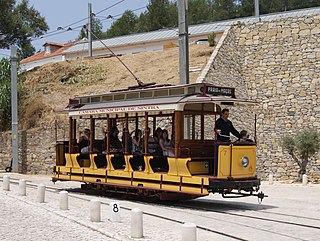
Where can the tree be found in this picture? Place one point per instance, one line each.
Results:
(18, 24)
(223, 9)
(199, 11)
(5, 93)
(126, 24)
(302, 146)
(96, 29)
(245, 8)
(162, 14)
(142, 24)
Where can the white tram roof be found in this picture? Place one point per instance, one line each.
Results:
(155, 100)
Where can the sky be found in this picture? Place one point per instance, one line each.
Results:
(61, 13)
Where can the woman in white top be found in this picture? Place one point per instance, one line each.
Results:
(166, 144)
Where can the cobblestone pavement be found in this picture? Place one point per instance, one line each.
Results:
(22, 218)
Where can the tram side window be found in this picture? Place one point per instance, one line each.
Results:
(192, 127)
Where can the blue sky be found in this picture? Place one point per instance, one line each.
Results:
(61, 13)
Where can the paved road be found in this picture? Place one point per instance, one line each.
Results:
(23, 218)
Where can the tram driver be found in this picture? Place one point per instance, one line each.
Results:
(224, 127)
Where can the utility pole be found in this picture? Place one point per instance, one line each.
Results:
(256, 8)
(89, 29)
(183, 41)
(14, 109)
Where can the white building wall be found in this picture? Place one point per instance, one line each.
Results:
(30, 65)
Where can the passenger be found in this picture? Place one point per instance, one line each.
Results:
(245, 136)
(158, 134)
(166, 145)
(224, 126)
(137, 143)
(84, 141)
(153, 146)
(115, 143)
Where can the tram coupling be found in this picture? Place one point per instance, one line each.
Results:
(260, 195)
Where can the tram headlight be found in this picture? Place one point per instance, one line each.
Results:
(245, 161)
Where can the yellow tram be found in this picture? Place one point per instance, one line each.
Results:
(198, 165)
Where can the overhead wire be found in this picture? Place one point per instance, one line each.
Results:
(140, 83)
(110, 6)
(57, 31)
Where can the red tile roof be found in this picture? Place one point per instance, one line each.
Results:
(42, 54)
(53, 43)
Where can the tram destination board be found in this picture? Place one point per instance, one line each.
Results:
(216, 90)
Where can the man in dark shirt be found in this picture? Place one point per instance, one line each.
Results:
(224, 127)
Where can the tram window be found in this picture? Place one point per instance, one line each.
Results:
(95, 99)
(192, 127)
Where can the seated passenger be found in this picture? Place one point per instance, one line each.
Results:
(115, 143)
(158, 135)
(245, 136)
(166, 145)
(84, 141)
(153, 146)
(137, 143)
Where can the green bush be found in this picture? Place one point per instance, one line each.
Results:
(212, 39)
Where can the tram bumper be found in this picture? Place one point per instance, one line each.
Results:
(219, 185)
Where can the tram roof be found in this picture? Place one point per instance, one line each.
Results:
(164, 99)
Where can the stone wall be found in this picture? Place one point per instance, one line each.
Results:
(36, 148)
(278, 64)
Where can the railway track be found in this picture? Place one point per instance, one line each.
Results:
(200, 209)
(196, 205)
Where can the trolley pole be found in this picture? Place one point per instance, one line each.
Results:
(14, 108)
(89, 29)
(183, 41)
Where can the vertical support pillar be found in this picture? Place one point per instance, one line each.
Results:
(107, 134)
(74, 130)
(89, 29)
(14, 110)
(177, 133)
(146, 134)
(137, 121)
(202, 123)
(183, 41)
(92, 133)
(256, 8)
(126, 134)
(70, 134)
(154, 125)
